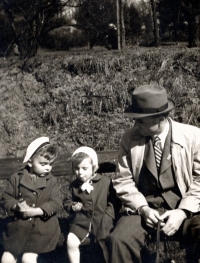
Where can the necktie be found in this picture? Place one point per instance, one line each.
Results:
(157, 151)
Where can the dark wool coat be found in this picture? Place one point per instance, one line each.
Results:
(97, 210)
(38, 235)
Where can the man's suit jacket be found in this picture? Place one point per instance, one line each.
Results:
(185, 149)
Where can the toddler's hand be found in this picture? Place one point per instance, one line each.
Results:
(76, 207)
(22, 206)
(29, 212)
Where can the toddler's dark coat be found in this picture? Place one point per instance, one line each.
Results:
(40, 234)
(97, 209)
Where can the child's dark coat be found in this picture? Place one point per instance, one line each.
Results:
(98, 208)
(38, 235)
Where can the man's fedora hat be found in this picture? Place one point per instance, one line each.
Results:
(149, 100)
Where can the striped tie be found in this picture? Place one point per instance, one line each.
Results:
(157, 151)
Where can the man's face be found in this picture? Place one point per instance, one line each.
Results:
(148, 126)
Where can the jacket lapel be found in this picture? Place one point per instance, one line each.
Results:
(137, 150)
(149, 158)
(166, 157)
(41, 182)
(26, 180)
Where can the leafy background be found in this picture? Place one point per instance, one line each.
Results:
(78, 98)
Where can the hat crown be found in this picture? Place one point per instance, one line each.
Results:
(149, 100)
(149, 96)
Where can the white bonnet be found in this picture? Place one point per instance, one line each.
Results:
(90, 152)
(34, 146)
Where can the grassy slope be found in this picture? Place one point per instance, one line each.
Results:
(78, 97)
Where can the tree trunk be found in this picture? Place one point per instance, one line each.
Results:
(118, 25)
(123, 26)
(156, 31)
(193, 27)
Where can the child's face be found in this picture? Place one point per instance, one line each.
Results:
(84, 169)
(40, 165)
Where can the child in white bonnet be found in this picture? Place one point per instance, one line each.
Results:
(90, 199)
(32, 199)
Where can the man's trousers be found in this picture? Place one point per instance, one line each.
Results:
(128, 239)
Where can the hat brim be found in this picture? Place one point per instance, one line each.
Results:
(130, 114)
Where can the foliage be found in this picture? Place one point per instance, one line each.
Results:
(175, 15)
(172, 20)
(132, 21)
(79, 98)
(27, 21)
(94, 17)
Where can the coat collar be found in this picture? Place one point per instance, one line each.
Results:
(177, 136)
(25, 180)
(95, 179)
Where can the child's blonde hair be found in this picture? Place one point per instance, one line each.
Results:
(84, 152)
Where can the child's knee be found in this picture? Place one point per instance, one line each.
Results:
(29, 258)
(72, 241)
(7, 257)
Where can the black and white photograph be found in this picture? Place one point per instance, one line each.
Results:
(99, 131)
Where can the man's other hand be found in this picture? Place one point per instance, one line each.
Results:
(173, 219)
(151, 217)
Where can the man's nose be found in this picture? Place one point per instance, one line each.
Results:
(136, 124)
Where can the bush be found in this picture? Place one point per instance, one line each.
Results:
(79, 98)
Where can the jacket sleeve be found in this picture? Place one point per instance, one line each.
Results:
(110, 214)
(123, 181)
(54, 204)
(9, 198)
(67, 202)
(191, 198)
(114, 204)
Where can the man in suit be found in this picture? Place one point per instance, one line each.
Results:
(158, 178)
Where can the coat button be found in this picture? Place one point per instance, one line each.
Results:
(34, 193)
(89, 202)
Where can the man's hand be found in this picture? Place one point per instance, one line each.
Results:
(76, 207)
(151, 216)
(174, 221)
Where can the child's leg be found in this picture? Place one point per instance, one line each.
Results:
(7, 257)
(29, 258)
(73, 251)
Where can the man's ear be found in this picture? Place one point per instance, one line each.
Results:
(29, 163)
(162, 119)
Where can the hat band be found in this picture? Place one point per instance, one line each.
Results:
(42, 145)
(150, 110)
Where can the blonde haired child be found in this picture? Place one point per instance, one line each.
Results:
(90, 200)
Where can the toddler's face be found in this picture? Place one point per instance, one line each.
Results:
(84, 169)
(40, 165)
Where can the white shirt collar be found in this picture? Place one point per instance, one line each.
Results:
(163, 134)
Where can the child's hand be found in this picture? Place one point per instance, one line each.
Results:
(29, 212)
(32, 212)
(21, 206)
(76, 207)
